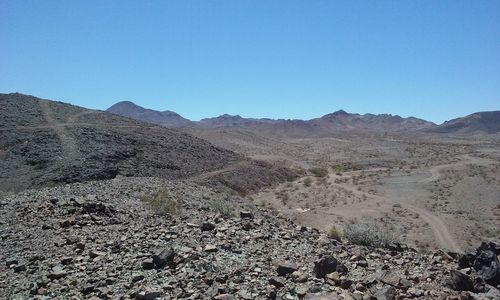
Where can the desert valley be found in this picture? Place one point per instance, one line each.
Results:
(137, 203)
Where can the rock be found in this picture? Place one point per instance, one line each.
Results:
(460, 281)
(87, 289)
(301, 290)
(148, 295)
(57, 273)
(466, 260)
(164, 257)
(207, 226)
(345, 283)
(224, 297)
(137, 277)
(389, 278)
(386, 293)
(210, 248)
(271, 292)
(20, 268)
(10, 261)
(277, 282)
(148, 264)
(284, 269)
(66, 260)
(487, 267)
(325, 265)
(404, 283)
(95, 253)
(71, 239)
(68, 222)
(247, 226)
(299, 277)
(246, 215)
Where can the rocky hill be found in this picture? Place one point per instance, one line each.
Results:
(45, 142)
(164, 118)
(480, 122)
(113, 239)
(342, 120)
(232, 121)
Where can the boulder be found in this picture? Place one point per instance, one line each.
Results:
(325, 265)
(460, 281)
(487, 267)
(164, 257)
(284, 269)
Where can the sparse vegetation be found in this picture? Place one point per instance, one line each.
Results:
(319, 172)
(334, 233)
(368, 234)
(307, 182)
(162, 202)
(223, 207)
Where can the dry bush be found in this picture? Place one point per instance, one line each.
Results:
(334, 233)
(162, 202)
(369, 234)
(222, 207)
(319, 172)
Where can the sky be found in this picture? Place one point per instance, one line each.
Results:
(435, 60)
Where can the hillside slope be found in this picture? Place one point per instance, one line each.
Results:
(44, 142)
(480, 122)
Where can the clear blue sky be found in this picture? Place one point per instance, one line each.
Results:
(291, 59)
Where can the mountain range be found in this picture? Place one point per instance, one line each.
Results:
(481, 122)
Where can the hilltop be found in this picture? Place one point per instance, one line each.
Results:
(480, 122)
(48, 142)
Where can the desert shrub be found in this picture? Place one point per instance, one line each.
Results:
(319, 172)
(334, 233)
(162, 202)
(368, 234)
(222, 207)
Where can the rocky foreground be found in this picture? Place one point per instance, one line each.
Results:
(99, 240)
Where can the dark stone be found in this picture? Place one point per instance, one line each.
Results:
(276, 281)
(164, 257)
(488, 267)
(20, 268)
(345, 283)
(325, 265)
(87, 289)
(246, 215)
(284, 269)
(137, 277)
(460, 281)
(10, 261)
(148, 264)
(466, 260)
(490, 246)
(207, 226)
(247, 226)
(479, 285)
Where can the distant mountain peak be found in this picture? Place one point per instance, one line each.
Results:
(340, 112)
(165, 118)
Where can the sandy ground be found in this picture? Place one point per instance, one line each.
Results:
(431, 191)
